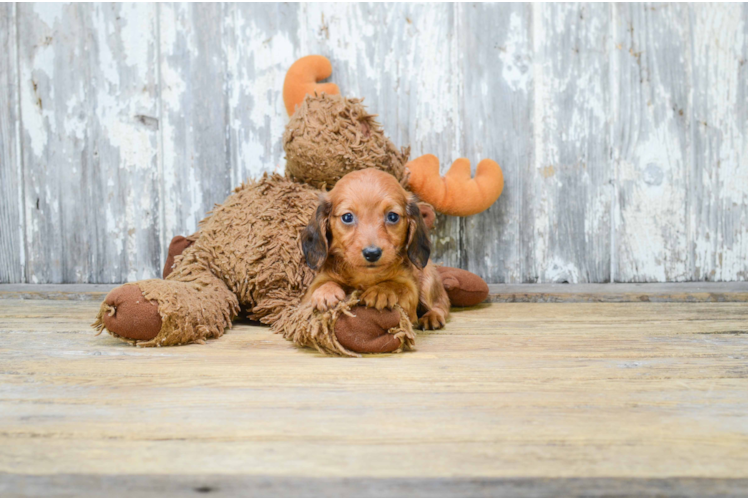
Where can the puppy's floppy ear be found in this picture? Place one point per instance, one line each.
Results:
(428, 214)
(419, 246)
(314, 237)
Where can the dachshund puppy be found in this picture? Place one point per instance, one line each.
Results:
(368, 234)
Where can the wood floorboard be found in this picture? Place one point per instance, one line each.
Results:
(520, 399)
(731, 291)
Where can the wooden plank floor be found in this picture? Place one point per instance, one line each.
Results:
(510, 399)
(736, 291)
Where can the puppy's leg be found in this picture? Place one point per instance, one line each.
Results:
(402, 291)
(433, 297)
(324, 293)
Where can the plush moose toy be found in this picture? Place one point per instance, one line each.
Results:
(247, 253)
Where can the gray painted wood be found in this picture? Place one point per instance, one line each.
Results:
(195, 157)
(622, 129)
(718, 203)
(651, 146)
(568, 210)
(497, 113)
(12, 250)
(236, 485)
(88, 87)
(735, 291)
(259, 40)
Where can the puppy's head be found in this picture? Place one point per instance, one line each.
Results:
(369, 223)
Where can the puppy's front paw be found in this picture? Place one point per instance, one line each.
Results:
(433, 320)
(379, 297)
(327, 296)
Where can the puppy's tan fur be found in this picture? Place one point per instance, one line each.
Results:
(403, 274)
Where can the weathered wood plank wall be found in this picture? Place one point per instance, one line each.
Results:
(12, 248)
(622, 129)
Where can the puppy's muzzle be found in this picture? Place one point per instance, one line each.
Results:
(372, 254)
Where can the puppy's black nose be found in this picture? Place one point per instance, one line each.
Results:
(372, 254)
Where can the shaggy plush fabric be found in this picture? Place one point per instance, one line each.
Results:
(251, 242)
(191, 311)
(330, 135)
(306, 327)
(247, 253)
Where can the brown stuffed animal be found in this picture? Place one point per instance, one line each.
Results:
(247, 254)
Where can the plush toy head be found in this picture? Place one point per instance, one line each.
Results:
(329, 136)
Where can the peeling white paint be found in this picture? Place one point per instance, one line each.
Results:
(49, 13)
(612, 170)
(137, 45)
(557, 270)
(513, 70)
(721, 243)
(14, 97)
(36, 80)
(257, 114)
(540, 217)
(437, 86)
(652, 233)
(344, 30)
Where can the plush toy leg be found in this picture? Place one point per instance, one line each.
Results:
(464, 288)
(367, 330)
(348, 329)
(178, 245)
(159, 313)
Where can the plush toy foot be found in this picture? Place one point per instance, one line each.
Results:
(157, 313)
(368, 331)
(129, 315)
(348, 329)
(464, 288)
(178, 245)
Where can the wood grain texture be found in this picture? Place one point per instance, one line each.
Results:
(89, 141)
(12, 243)
(497, 113)
(225, 485)
(96, 293)
(568, 214)
(718, 205)
(259, 39)
(624, 391)
(622, 130)
(194, 110)
(651, 146)
(736, 291)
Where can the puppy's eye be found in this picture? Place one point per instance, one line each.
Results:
(347, 218)
(392, 217)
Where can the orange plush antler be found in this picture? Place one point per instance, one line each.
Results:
(456, 193)
(302, 78)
